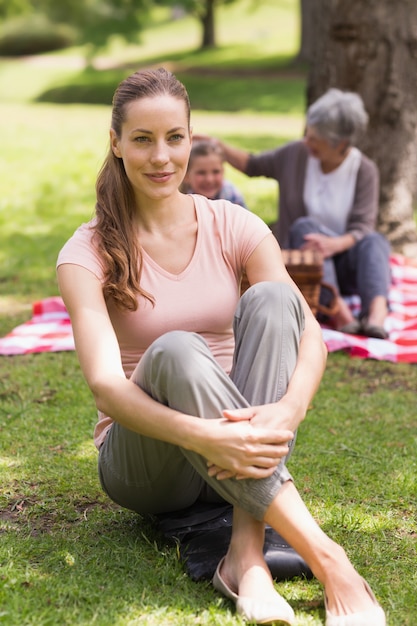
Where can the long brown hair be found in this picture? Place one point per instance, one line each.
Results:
(115, 207)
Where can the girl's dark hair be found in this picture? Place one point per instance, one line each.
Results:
(205, 147)
(115, 234)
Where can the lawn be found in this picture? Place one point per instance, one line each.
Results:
(68, 556)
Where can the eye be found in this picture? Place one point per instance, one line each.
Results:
(176, 137)
(141, 139)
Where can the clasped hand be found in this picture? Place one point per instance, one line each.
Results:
(248, 444)
(324, 244)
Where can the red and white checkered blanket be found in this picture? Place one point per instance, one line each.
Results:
(401, 322)
(49, 330)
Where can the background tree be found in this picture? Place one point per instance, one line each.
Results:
(205, 12)
(96, 20)
(306, 30)
(371, 48)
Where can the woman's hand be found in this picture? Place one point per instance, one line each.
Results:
(328, 246)
(239, 449)
(278, 416)
(321, 243)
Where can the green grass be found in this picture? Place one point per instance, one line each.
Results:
(90, 562)
(273, 84)
(69, 556)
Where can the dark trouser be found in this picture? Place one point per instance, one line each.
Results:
(178, 370)
(363, 269)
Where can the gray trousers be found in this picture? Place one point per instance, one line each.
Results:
(151, 476)
(363, 269)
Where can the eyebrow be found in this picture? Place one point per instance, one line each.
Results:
(149, 132)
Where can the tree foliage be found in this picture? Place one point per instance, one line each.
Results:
(96, 19)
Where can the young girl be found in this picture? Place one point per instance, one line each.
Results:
(199, 390)
(205, 174)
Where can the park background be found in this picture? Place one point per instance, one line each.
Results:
(68, 555)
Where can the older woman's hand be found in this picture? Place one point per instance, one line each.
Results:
(327, 246)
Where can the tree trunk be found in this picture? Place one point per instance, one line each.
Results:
(207, 23)
(371, 48)
(306, 30)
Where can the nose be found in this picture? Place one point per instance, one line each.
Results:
(307, 139)
(208, 177)
(160, 153)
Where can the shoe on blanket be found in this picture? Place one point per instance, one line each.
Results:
(352, 328)
(373, 330)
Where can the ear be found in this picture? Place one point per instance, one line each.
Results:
(344, 147)
(114, 143)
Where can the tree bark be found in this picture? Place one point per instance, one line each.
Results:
(306, 30)
(371, 48)
(208, 26)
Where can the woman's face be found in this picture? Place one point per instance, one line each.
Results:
(155, 145)
(321, 149)
(205, 175)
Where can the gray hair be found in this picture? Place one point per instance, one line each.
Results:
(338, 116)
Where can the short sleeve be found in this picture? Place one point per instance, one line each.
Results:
(80, 250)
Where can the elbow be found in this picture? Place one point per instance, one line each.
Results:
(100, 401)
(101, 404)
(103, 391)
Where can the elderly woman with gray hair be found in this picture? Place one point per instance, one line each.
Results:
(328, 201)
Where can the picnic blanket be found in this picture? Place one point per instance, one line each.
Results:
(401, 322)
(49, 329)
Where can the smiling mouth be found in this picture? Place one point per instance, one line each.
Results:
(160, 176)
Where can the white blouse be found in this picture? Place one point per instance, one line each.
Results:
(329, 197)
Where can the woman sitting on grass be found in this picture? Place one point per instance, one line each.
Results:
(328, 201)
(199, 391)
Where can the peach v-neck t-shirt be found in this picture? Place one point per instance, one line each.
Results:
(201, 299)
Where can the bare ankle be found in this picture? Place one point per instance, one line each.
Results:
(331, 558)
(378, 311)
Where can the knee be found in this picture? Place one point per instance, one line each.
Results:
(177, 344)
(304, 222)
(268, 292)
(269, 300)
(177, 355)
(373, 243)
(299, 228)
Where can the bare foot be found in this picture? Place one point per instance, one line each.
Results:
(378, 311)
(347, 593)
(252, 580)
(252, 591)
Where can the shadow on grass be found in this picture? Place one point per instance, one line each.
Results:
(277, 89)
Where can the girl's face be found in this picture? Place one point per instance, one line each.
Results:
(155, 145)
(205, 175)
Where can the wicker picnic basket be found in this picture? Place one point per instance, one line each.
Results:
(306, 269)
